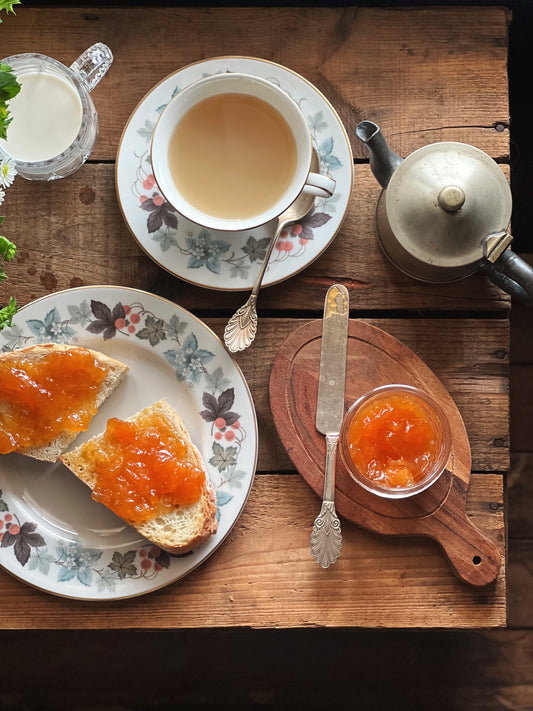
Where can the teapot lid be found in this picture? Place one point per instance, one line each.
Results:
(444, 199)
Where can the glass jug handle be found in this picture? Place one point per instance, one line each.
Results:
(93, 64)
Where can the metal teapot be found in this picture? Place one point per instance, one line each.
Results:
(444, 212)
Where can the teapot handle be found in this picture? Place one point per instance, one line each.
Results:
(512, 274)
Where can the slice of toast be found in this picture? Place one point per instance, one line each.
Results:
(115, 372)
(184, 527)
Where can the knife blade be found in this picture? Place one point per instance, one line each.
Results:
(326, 538)
(332, 377)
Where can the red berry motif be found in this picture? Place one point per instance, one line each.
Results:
(218, 435)
(143, 198)
(297, 229)
(236, 425)
(127, 309)
(14, 529)
(303, 241)
(230, 435)
(8, 517)
(135, 318)
(143, 553)
(120, 323)
(155, 551)
(220, 422)
(149, 182)
(131, 329)
(146, 564)
(158, 200)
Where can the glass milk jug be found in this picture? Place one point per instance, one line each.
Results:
(55, 123)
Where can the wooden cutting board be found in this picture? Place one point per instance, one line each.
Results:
(376, 358)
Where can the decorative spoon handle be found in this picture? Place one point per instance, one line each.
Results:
(326, 538)
(242, 326)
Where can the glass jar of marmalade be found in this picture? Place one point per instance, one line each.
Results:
(395, 441)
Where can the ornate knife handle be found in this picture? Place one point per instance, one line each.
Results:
(326, 538)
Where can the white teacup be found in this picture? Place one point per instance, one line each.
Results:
(246, 89)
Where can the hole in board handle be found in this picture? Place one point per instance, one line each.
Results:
(476, 560)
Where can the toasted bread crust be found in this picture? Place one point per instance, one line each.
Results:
(115, 373)
(185, 527)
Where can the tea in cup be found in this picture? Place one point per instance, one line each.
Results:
(54, 122)
(233, 151)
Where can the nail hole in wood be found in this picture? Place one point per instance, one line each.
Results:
(476, 560)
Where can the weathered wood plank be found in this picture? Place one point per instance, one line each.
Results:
(264, 576)
(423, 55)
(472, 364)
(273, 669)
(448, 81)
(521, 329)
(522, 408)
(520, 494)
(71, 233)
(520, 582)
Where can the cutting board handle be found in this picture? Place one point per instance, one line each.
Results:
(473, 556)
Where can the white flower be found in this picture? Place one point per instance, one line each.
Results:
(2, 195)
(7, 172)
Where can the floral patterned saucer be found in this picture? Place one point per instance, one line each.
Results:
(53, 535)
(221, 260)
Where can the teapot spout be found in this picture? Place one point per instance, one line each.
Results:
(383, 161)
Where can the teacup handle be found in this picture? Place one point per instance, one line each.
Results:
(92, 64)
(319, 185)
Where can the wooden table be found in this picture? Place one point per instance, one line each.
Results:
(424, 76)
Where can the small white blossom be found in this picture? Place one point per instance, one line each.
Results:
(7, 172)
(2, 195)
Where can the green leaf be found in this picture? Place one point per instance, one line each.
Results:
(7, 249)
(7, 5)
(9, 86)
(7, 313)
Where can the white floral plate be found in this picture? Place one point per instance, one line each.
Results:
(53, 535)
(220, 260)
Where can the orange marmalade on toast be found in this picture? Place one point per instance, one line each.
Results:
(144, 469)
(42, 397)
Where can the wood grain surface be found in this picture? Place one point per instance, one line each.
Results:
(423, 75)
(264, 576)
(74, 235)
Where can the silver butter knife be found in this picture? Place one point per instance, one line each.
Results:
(326, 538)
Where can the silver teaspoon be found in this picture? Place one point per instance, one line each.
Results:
(242, 326)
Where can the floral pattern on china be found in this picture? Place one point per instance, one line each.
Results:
(107, 569)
